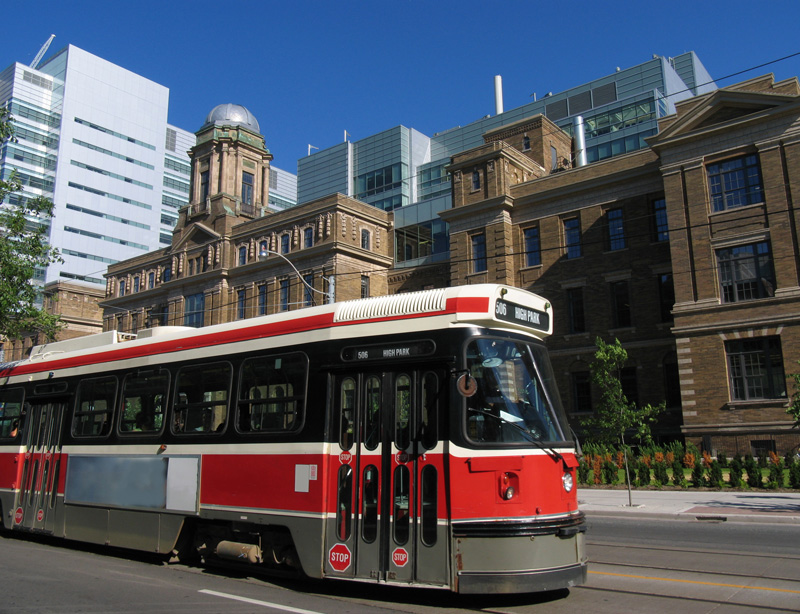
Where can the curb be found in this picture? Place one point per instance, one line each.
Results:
(763, 518)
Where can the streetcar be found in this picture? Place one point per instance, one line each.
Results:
(415, 439)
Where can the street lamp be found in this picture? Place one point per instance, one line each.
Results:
(264, 253)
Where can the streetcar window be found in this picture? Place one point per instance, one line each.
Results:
(510, 404)
(11, 413)
(369, 504)
(144, 398)
(401, 505)
(344, 505)
(272, 393)
(372, 413)
(429, 503)
(347, 402)
(201, 398)
(430, 411)
(94, 407)
(402, 411)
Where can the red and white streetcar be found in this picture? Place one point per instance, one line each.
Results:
(415, 439)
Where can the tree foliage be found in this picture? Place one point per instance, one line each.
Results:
(794, 405)
(615, 415)
(23, 248)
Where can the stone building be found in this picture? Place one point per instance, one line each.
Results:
(232, 258)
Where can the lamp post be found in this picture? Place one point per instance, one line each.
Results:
(264, 253)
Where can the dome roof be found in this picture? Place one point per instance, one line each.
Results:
(229, 114)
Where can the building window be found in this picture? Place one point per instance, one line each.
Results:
(285, 244)
(553, 158)
(672, 383)
(533, 252)
(660, 225)
(136, 284)
(745, 272)
(243, 255)
(262, 300)
(364, 286)
(577, 323)
(167, 274)
(581, 393)
(284, 294)
(735, 183)
(247, 188)
(666, 296)
(241, 304)
(526, 143)
(615, 227)
(572, 237)
(308, 293)
(122, 287)
(151, 280)
(308, 237)
(630, 385)
(476, 180)
(365, 239)
(203, 186)
(194, 310)
(621, 304)
(134, 323)
(755, 368)
(478, 253)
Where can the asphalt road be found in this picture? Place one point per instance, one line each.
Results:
(637, 565)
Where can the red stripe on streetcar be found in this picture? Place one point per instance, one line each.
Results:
(469, 304)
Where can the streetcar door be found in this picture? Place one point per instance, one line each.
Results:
(41, 466)
(390, 481)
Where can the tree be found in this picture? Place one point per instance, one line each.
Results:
(23, 247)
(615, 415)
(794, 405)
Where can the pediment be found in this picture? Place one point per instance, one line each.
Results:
(198, 234)
(723, 106)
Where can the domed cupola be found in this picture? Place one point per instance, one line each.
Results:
(229, 114)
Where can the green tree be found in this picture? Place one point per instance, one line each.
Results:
(23, 247)
(615, 415)
(794, 406)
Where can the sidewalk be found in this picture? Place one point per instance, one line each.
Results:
(757, 506)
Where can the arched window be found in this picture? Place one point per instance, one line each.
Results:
(308, 237)
(243, 255)
(285, 244)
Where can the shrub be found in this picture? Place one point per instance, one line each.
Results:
(689, 460)
(715, 474)
(610, 472)
(698, 475)
(597, 468)
(707, 460)
(722, 459)
(677, 473)
(643, 474)
(669, 458)
(794, 474)
(584, 467)
(660, 473)
(735, 476)
(775, 479)
(753, 472)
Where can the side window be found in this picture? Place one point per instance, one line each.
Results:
(347, 404)
(144, 400)
(201, 398)
(11, 412)
(430, 411)
(272, 393)
(94, 407)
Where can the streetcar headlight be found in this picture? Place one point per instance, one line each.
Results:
(568, 482)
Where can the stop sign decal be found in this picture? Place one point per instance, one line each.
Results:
(400, 557)
(339, 557)
(18, 514)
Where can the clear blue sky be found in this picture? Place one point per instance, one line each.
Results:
(309, 70)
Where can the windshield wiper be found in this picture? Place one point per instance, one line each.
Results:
(552, 453)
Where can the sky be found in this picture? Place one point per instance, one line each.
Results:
(309, 70)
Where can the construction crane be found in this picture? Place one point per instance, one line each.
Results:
(42, 51)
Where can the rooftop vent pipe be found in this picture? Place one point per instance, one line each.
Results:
(579, 136)
(498, 94)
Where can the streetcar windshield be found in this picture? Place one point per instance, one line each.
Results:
(508, 401)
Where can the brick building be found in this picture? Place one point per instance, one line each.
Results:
(686, 251)
(232, 257)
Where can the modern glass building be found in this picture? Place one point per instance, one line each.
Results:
(403, 170)
(94, 138)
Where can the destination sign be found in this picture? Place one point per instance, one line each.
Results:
(389, 351)
(524, 316)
